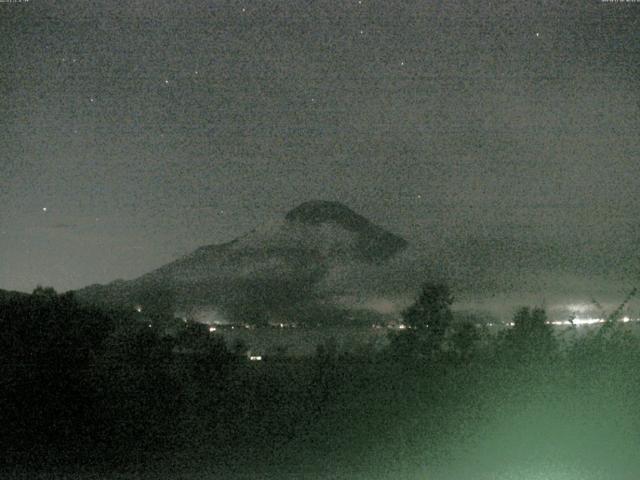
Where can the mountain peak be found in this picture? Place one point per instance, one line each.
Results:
(316, 212)
(373, 243)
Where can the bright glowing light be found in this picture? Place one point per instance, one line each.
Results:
(212, 329)
(587, 321)
(138, 308)
(255, 358)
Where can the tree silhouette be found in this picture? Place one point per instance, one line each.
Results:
(531, 335)
(464, 341)
(428, 320)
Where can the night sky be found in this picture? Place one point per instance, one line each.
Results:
(502, 136)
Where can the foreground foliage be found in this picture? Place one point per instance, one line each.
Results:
(83, 386)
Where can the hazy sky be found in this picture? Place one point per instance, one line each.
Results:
(506, 133)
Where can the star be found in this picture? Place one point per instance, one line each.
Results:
(44, 209)
(92, 100)
(166, 82)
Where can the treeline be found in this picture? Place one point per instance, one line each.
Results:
(86, 384)
(82, 385)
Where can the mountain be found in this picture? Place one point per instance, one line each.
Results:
(276, 272)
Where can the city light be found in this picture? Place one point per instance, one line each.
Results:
(588, 321)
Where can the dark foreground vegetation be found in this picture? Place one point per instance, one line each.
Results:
(98, 394)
